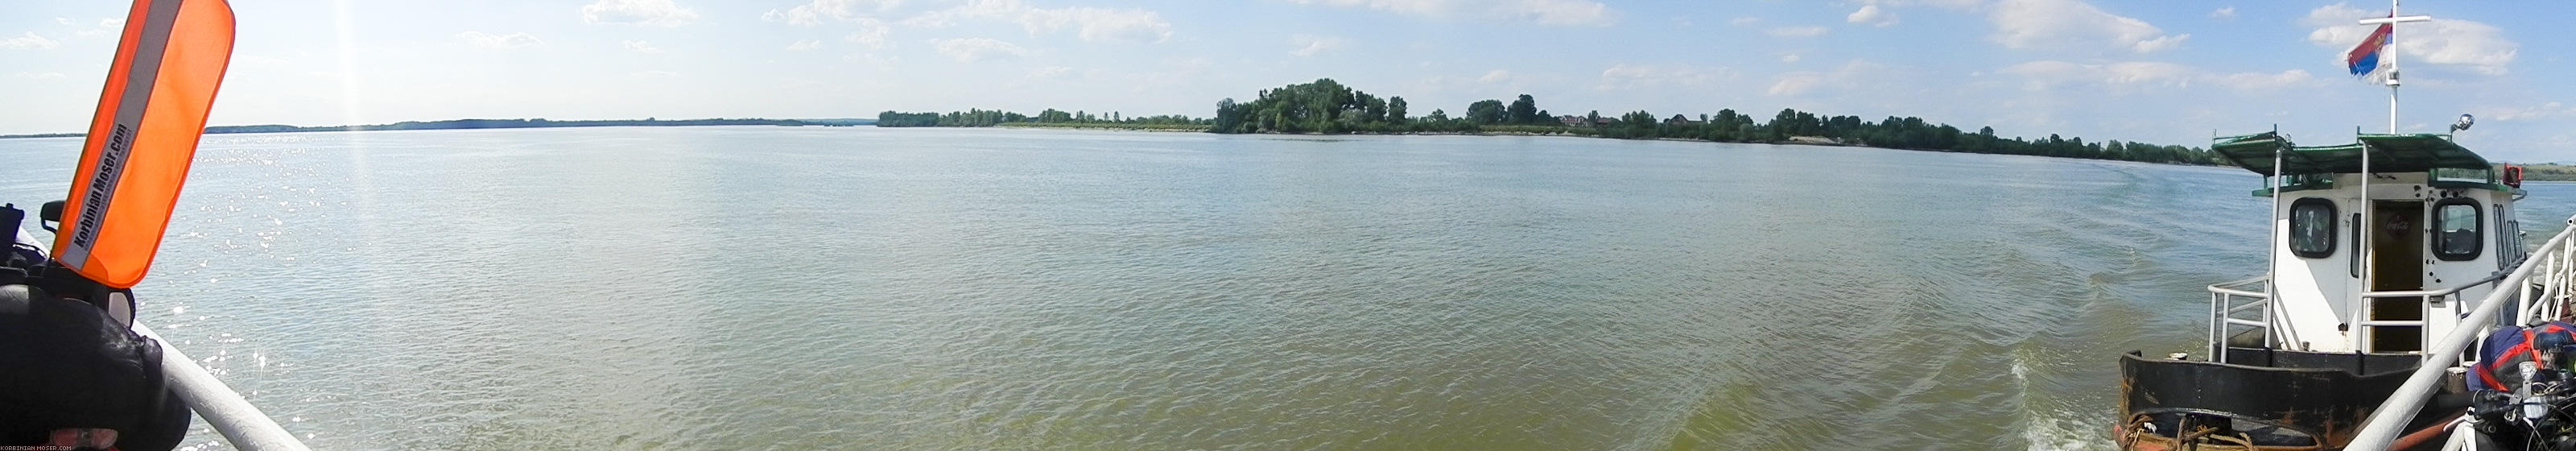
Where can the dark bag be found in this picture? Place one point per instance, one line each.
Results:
(2500, 356)
(66, 366)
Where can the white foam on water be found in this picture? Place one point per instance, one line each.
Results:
(2053, 429)
(2061, 430)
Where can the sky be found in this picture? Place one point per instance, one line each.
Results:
(2165, 72)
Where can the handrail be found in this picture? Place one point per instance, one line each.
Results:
(2441, 292)
(2223, 309)
(2246, 293)
(241, 423)
(2228, 287)
(2378, 432)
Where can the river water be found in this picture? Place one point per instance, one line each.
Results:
(947, 289)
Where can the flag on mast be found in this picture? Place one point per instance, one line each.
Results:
(2366, 61)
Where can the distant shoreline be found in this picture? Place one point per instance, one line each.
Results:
(2533, 172)
(474, 124)
(2540, 172)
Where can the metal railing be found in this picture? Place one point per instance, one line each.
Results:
(2428, 299)
(2390, 418)
(2227, 301)
(241, 423)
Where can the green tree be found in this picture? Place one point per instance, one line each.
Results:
(1229, 117)
(1487, 112)
(1395, 110)
(1523, 111)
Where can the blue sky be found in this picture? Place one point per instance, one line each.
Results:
(2164, 71)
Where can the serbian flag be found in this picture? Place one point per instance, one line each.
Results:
(2366, 60)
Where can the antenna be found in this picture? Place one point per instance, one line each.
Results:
(2392, 20)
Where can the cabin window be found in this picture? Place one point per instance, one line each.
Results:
(2312, 228)
(2509, 239)
(2458, 232)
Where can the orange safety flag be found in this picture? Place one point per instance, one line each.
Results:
(142, 138)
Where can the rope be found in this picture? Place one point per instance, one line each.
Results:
(2200, 438)
(2129, 436)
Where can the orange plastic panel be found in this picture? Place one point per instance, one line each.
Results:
(143, 136)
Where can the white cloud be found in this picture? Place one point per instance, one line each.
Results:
(1495, 76)
(1091, 24)
(814, 13)
(2223, 13)
(1850, 75)
(871, 33)
(653, 74)
(1743, 21)
(1789, 58)
(2071, 23)
(499, 41)
(66, 21)
(45, 75)
(2251, 81)
(1310, 45)
(803, 45)
(108, 26)
(873, 59)
(2135, 77)
(1099, 24)
(2475, 45)
(2542, 111)
(1872, 15)
(1051, 72)
(1543, 12)
(660, 13)
(642, 47)
(1795, 83)
(1631, 76)
(1883, 12)
(2049, 75)
(28, 41)
(970, 50)
(1797, 32)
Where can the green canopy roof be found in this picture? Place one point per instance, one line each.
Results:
(2388, 153)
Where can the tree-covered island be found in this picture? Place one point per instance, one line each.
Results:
(1328, 107)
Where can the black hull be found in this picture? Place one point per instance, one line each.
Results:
(2272, 399)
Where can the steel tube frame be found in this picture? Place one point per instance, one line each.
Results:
(241, 423)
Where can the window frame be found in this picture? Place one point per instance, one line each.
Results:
(2477, 224)
(2291, 237)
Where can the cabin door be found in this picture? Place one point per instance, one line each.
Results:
(2396, 264)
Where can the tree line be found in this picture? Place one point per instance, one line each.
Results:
(989, 118)
(1329, 107)
(1326, 106)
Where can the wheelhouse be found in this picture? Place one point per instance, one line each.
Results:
(2376, 246)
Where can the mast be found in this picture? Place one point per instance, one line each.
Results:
(2369, 229)
(2392, 20)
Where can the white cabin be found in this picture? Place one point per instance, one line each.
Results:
(2378, 246)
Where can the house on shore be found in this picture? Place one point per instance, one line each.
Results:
(1580, 121)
